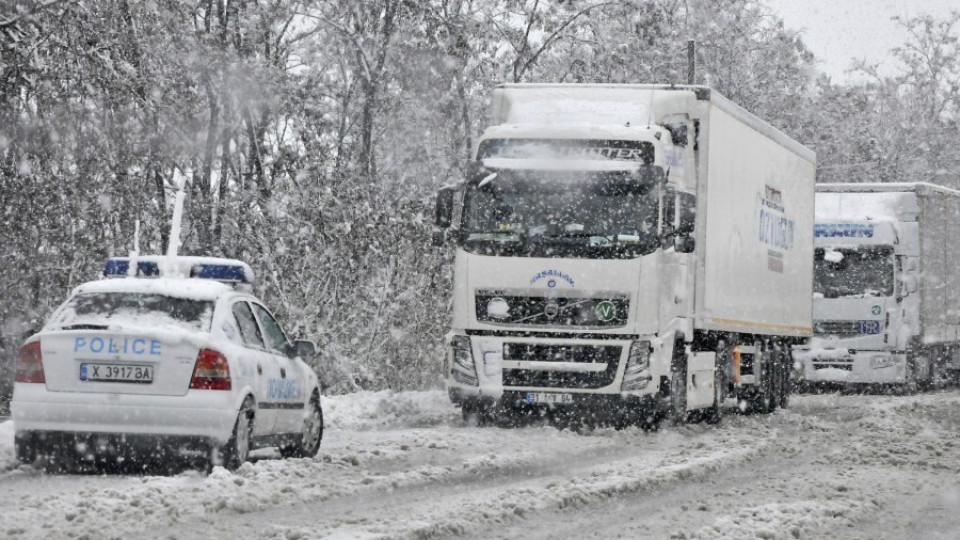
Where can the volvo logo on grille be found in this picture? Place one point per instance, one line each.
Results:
(551, 310)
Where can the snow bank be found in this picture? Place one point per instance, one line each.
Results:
(369, 410)
(6, 445)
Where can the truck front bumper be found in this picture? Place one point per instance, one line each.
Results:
(851, 367)
(555, 371)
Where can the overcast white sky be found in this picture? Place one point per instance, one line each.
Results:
(840, 30)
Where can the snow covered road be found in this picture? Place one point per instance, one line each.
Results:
(404, 466)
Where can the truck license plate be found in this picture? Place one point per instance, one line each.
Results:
(116, 373)
(548, 397)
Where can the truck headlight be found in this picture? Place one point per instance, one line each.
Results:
(463, 370)
(636, 375)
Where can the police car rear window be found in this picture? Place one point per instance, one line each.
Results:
(136, 308)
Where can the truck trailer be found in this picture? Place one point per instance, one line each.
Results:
(886, 302)
(626, 253)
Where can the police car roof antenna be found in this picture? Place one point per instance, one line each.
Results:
(175, 228)
(134, 263)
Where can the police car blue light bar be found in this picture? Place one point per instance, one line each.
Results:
(215, 268)
(120, 266)
(220, 272)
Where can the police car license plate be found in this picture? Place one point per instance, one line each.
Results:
(129, 373)
(548, 397)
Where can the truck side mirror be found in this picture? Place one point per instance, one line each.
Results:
(687, 210)
(444, 212)
(688, 213)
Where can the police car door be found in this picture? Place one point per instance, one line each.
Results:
(267, 367)
(286, 391)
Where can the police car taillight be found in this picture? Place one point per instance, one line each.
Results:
(211, 372)
(30, 364)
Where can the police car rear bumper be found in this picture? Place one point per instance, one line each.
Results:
(200, 413)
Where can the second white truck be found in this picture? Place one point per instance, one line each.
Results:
(627, 252)
(886, 286)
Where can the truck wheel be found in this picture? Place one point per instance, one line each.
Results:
(237, 449)
(307, 443)
(785, 385)
(715, 413)
(764, 399)
(476, 414)
(678, 385)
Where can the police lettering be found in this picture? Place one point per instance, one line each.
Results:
(124, 345)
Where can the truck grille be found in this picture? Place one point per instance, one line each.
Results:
(543, 311)
(525, 352)
(836, 328)
(847, 328)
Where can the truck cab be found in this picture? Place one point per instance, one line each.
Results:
(593, 269)
(867, 301)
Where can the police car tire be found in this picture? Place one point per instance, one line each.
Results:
(25, 449)
(299, 448)
(237, 449)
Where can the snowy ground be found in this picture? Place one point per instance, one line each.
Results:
(404, 466)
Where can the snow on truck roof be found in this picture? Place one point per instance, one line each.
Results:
(873, 201)
(593, 104)
(561, 165)
(884, 187)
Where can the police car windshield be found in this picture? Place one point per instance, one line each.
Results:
(105, 308)
(853, 272)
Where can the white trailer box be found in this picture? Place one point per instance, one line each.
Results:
(631, 249)
(887, 286)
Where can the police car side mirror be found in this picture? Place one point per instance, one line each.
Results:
(440, 236)
(304, 348)
(444, 211)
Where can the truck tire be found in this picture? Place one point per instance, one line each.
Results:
(715, 413)
(476, 414)
(678, 384)
(786, 386)
(764, 399)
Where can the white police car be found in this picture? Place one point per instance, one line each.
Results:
(177, 361)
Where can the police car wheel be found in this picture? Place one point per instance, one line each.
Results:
(307, 444)
(237, 449)
(25, 449)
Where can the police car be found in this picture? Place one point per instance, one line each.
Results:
(174, 358)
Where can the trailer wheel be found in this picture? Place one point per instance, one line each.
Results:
(786, 386)
(764, 398)
(715, 413)
(678, 384)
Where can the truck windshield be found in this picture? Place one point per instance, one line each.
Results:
(562, 214)
(853, 272)
(154, 310)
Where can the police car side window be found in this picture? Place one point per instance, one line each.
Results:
(249, 330)
(275, 336)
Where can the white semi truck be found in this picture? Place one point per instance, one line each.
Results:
(626, 253)
(886, 302)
